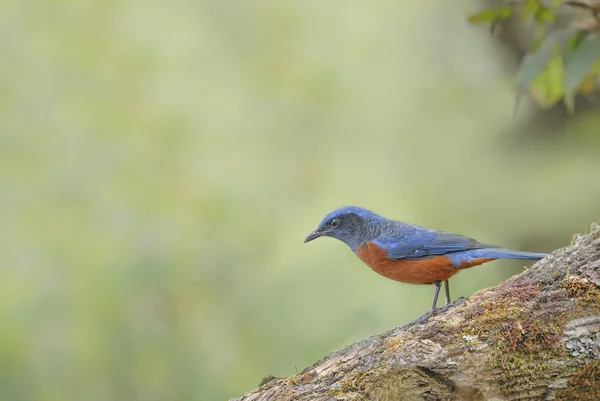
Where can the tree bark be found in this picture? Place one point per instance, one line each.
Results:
(533, 337)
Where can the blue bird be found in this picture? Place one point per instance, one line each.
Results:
(409, 253)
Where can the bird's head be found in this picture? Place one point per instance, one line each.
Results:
(348, 224)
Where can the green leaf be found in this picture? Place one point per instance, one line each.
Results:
(533, 63)
(575, 40)
(548, 86)
(492, 14)
(581, 61)
(528, 8)
(544, 15)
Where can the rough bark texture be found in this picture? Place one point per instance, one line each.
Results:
(534, 337)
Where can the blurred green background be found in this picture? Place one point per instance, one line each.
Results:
(161, 164)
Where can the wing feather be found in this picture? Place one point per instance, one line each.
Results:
(427, 243)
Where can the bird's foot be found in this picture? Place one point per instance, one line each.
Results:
(452, 304)
(425, 317)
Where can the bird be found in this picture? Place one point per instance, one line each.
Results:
(409, 253)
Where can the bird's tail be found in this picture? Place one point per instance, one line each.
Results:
(508, 254)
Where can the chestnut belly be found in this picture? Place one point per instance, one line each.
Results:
(412, 271)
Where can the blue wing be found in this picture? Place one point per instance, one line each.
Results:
(424, 243)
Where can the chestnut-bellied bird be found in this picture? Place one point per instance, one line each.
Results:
(409, 253)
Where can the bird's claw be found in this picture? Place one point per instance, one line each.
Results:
(424, 317)
(452, 304)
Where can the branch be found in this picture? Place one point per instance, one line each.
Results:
(535, 336)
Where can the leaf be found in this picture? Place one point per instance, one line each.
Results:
(580, 61)
(575, 40)
(544, 15)
(533, 63)
(529, 7)
(492, 14)
(548, 87)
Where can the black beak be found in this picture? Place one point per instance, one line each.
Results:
(315, 234)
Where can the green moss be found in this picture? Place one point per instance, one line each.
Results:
(409, 384)
(389, 384)
(360, 384)
(521, 341)
(586, 293)
(585, 383)
(300, 378)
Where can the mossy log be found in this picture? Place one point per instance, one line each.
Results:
(533, 337)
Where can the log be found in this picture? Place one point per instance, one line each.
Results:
(533, 337)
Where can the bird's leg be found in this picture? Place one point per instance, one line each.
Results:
(449, 303)
(431, 312)
(438, 285)
(434, 309)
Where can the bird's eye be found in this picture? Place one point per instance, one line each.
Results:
(334, 222)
